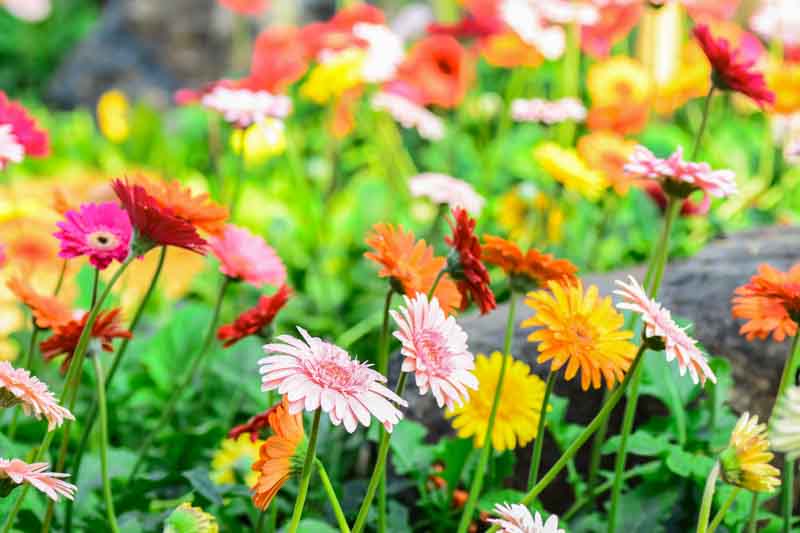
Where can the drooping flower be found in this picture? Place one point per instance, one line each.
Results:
(235, 457)
(464, 262)
(410, 264)
(745, 462)
(18, 386)
(243, 107)
(246, 7)
(732, 72)
(444, 189)
(517, 518)
(566, 167)
(50, 483)
(435, 350)
(582, 331)
(535, 266)
(100, 231)
(319, 375)
(48, 311)
(64, 340)
(547, 111)
(770, 302)
(256, 320)
(247, 257)
(659, 325)
(440, 68)
(608, 152)
(199, 210)
(19, 131)
(188, 519)
(518, 411)
(410, 114)
(784, 426)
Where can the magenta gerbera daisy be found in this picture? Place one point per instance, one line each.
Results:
(100, 231)
(435, 350)
(247, 257)
(658, 324)
(315, 374)
(17, 386)
(36, 474)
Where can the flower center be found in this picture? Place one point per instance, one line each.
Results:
(582, 334)
(102, 240)
(432, 350)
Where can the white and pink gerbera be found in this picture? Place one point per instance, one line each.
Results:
(36, 474)
(247, 257)
(314, 374)
(243, 107)
(435, 350)
(444, 189)
(17, 386)
(658, 323)
(410, 114)
(516, 518)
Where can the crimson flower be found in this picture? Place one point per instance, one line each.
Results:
(107, 327)
(253, 426)
(254, 320)
(464, 262)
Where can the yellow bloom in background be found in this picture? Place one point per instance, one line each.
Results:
(235, 457)
(113, 115)
(691, 80)
(260, 141)
(519, 409)
(567, 167)
(188, 519)
(784, 80)
(523, 211)
(608, 152)
(745, 462)
(582, 331)
(618, 80)
(334, 76)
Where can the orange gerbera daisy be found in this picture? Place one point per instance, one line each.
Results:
(65, 338)
(770, 303)
(582, 331)
(608, 152)
(533, 266)
(411, 265)
(48, 311)
(197, 209)
(280, 456)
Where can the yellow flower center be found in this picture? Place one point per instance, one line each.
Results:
(102, 240)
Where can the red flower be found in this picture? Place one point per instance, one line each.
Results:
(464, 263)
(107, 327)
(440, 68)
(253, 426)
(280, 58)
(24, 128)
(254, 320)
(246, 7)
(689, 208)
(730, 70)
(155, 225)
(337, 33)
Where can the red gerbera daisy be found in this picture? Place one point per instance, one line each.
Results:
(464, 263)
(441, 69)
(153, 224)
(732, 72)
(254, 320)
(106, 328)
(254, 426)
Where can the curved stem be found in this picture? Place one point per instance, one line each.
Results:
(101, 401)
(708, 498)
(538, 444)
(724, 509)
(328, 486)
(436, 281)
(790, 367)
(477, 479)
(703, 123)
(305, 476)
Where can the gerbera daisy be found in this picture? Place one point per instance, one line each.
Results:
(20, 132)
(435, 350)
(197, 209)
(533, 266)
(581, 331)
(517, 518)
(784, 426)
(608, 152)
(36, 475)
(410, 114)
(253, 427)
(281, 455)
(745, 462)
(660, 327)
(101, 231)
(106, 328)
(464, 262)
(518, 410)
(732, 72)
(444, 189)
(185, 519)
(548, 112)
(243, 107)
(566, 167)
(255, 320)
(48, 311)
(318, 375)
(440, 68)
(155, 225)
(770, 302)
(244, 256)
(410, 264)
(18, 386)
(235, 457)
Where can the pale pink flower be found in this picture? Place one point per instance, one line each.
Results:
(11, 151)
(658, 323)
(548, 112)
(384, 51)
(517, 518)
(526, 19)
(435, 350)
(410, 115)
(101, 231)
(568, 12)
(18, 386)
(28, 10)
(779, 20)
(247, 257)
(644, 164)
(314, 374)
(243, 107)
(444, 189)
(36, 474)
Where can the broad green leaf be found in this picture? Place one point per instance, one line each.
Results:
(409, 451)
(640, 443)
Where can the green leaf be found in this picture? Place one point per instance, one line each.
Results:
(640, 443)
(202, 484)
(453, 453)
(687, 464)
(492, 498)
(310, 525)
(410, 453)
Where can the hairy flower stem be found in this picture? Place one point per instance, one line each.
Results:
(486, 451)
(724, 509)
(305, 475)
(101, 400)
(184, 384)
(708, 498)
(328, 486)
(536, 456)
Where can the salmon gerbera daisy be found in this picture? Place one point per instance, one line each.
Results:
(516, 518)
(532, 267)
(19, 387)
(464, 262)
(770, 302)
(745, 462)
(314, 374)
(244, 256)
(47, 311)
(100, 231)
(582, 331)
(106, 328)
(256, 320)
(14, 472)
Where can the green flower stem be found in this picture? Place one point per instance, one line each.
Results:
(789, 368)
(328, 486)
(753, 519)
(724, 509)
(787, 495)
(305, 475)
(12, 429)
(184, 384)
(703, 123)
(262, 519)
(596, 454)
(536, 456)
(272, 526)
(436, 281)
(788, 378)
(101, 400)
(486, 451)
(383, 368)
(708, 498)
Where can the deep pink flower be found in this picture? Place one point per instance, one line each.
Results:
(314, 374)
(23, 132)
(17, 386)
(100, 231)
(247, 257)
(2, 255)
(36, 474)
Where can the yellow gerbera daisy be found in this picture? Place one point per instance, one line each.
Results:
(331, 78)
(567, 167)
(188, 519)
(235, 456)
(617, 80)
(582, 331)
(519, 409)
(113, 111)
(745, 462)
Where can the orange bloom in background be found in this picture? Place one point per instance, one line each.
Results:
(343, 120)
(621, 91)
(507, 50)
(411, 265)
(106, 328)
(197, 209)
(770, 302)
(608, 152)
(692, 79)
(48, 311)
(534, 265)
(280, 456)
(784, 80)
(623, 120)
(441, 69)
(617, 19)
(280, 58)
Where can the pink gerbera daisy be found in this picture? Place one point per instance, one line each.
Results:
(658, 323)
(101, 231)
(315, 374)
(435, 350)
(36, 474)
(17, 386)
(247, 257)
(444, 189)
(243, 107)
(22, 131)
(517, 518)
